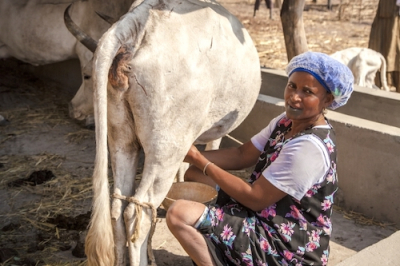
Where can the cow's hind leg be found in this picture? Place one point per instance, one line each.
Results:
(140, 221)
(124, 153)
(124, 179)
(140, 214)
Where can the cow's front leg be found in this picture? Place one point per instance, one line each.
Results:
(180, 175)
(212, 145)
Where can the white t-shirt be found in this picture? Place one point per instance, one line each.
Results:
(302, 162)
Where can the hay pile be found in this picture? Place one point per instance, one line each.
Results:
(45, 205)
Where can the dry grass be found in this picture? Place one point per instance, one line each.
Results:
(326, 31)
(64, 195)
(361, 219)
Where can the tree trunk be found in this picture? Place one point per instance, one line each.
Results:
(278, 4)
(329, 4)
(385, 39)
(293, 27)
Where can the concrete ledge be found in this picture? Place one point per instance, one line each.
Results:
(370, 104)
(374, 105)
(382, 253)
(368, 150)
(368, 155)
(66, 74)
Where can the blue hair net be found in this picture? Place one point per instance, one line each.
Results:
(334, 76)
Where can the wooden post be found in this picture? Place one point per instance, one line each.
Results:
(293, 27)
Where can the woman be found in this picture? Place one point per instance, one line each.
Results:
(282, 215)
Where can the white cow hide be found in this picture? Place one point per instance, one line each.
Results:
(182, 72)
(34, 32)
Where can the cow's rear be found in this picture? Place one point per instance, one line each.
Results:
(181, 72)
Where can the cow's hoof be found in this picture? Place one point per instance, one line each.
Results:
(89, 123)
(3, 121)
(79, 250)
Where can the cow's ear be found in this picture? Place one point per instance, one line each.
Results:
(120, 69)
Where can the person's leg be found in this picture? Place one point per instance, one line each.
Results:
(194, 174)
(181, 217)
(396, 80)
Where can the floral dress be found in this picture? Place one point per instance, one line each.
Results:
(289, 232)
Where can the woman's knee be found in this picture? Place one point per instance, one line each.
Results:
(174, 214)
(182, 213)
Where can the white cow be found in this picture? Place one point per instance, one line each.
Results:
(364, 63)
(168, 74)
(34, 32)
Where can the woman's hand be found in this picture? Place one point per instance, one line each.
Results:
(192, 154)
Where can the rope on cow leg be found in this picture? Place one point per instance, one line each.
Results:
(138, 208)
(150, 253)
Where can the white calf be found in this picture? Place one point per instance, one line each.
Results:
(364, 63)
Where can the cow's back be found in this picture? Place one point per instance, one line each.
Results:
(346, 55)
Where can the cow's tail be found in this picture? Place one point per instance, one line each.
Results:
(99, 244)
(383, 73)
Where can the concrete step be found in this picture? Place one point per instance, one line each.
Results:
(365, 103)
(385, 252)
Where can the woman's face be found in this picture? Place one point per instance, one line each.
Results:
(305, 98)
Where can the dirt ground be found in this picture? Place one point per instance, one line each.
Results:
(46, 159)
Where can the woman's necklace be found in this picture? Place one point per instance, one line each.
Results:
(287, 131)
(281, 140)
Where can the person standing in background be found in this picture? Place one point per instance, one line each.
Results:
(385, 39)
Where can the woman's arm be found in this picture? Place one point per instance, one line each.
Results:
(236, 158)
(256, 196)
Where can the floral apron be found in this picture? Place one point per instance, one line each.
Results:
(289, 232)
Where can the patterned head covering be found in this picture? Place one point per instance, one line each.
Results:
(334, 76)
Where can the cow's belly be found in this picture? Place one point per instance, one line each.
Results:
(36, 36)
